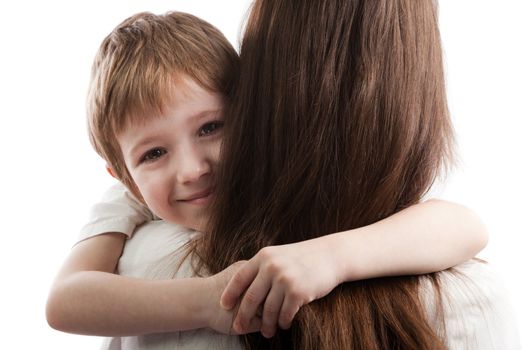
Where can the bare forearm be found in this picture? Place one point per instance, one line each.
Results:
(424, 238)
(104, 304)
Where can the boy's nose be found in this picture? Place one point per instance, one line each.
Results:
(192, 166)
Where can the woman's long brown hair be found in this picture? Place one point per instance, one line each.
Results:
(339, 120)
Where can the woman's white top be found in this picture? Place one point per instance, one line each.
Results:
(477, 313)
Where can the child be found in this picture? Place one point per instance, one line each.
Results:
(158, 88)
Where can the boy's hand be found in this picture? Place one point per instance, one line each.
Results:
(217, 317)
(280, 279)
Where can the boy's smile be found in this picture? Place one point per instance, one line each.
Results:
(198, 198)
(172, 157)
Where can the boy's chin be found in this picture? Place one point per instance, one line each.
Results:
(195, 223)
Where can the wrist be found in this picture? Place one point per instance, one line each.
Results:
(205, 309)
(336, 255)
(344, 254)
(202, 299)
(182, 306)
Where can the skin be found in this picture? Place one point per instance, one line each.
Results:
(172, 158)
(172, 161)
(279, 279)
(87, 290)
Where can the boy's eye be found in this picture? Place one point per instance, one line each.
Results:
(210, 128)
(152, 155)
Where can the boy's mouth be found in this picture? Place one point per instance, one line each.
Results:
(198, 198)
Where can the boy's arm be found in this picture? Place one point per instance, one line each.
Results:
(424, 238)
(88, 298)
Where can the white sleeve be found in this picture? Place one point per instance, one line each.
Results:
(118, 211)
(477, 311)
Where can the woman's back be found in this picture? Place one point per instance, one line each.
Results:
(476, 310)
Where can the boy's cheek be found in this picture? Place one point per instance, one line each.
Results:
(149, 187)
(214, 152)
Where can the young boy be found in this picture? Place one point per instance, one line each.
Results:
(158, 89)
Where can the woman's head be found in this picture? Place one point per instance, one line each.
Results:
(339, 120)
(340, 110)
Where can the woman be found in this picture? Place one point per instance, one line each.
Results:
(340, 120)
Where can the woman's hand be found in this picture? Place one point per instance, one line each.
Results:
(279, 280)
(217, 317)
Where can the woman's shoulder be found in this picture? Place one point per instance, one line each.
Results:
(476, 309)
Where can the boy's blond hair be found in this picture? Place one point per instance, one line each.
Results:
(137, 67)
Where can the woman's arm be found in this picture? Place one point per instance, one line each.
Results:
(426, 237)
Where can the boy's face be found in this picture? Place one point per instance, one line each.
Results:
(172, 159)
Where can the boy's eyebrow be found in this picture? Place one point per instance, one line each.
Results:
(152, 138)
(203, 114)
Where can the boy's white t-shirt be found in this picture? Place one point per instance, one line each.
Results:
(477, 313)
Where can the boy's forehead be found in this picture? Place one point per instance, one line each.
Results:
(152, 101)
(183, 94)
(184, 87)
(188, 94)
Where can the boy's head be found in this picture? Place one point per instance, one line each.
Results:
(138, 69)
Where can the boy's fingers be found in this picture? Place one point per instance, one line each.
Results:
(255, 325)
(271, 310)
(237, 285)
(254, 296)
(288, 312)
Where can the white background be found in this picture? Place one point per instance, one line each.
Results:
(50, 176)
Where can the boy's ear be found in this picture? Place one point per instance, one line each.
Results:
(110, 171)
